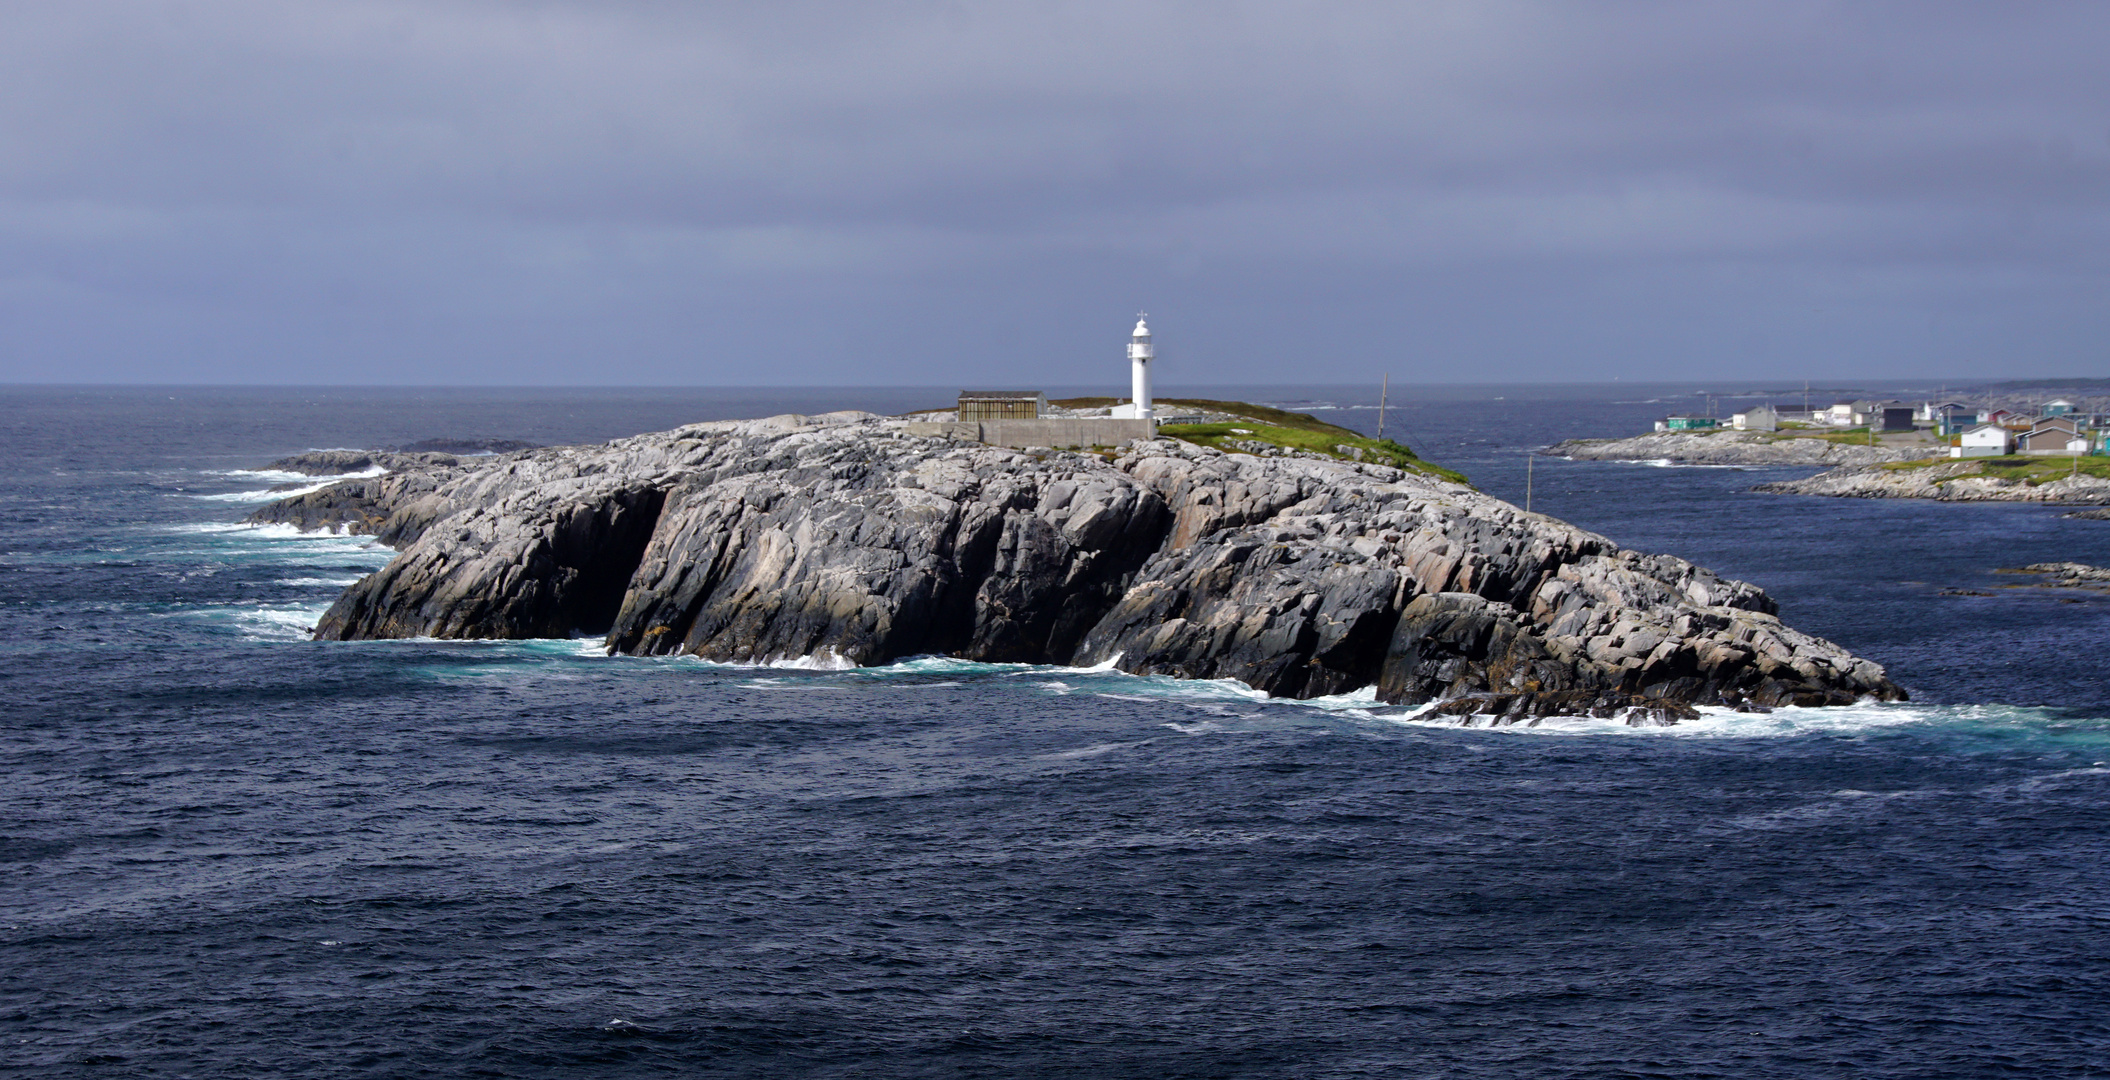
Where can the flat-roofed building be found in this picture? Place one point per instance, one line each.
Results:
(978, 405)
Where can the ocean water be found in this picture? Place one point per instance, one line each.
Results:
(231, 852)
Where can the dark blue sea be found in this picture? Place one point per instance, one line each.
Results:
(232, 852)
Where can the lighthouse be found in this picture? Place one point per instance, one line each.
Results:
(1139, 354)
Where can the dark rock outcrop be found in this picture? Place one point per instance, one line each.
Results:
(341, 462)
(465, 446)
(2066, 575)
(844, 539)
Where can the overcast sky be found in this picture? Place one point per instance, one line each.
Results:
(935, 193)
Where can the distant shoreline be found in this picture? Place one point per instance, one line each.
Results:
(1725, 447)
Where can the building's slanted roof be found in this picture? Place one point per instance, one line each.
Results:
(999, 395)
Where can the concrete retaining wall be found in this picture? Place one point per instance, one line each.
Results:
(1091, 431)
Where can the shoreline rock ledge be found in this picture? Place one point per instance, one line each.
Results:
(846, 539)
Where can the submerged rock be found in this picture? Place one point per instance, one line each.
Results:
(845, 537)
(2066, 575)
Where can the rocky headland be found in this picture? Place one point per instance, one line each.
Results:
(845, 539)
(1736, 448)
(1964, 480)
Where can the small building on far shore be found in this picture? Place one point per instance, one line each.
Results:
(1756, 418)
(1882, 415)
(2053, 435)
(1688, 423)
(1985, 440)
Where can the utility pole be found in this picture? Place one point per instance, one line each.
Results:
(1529, 461)
(1383, 394)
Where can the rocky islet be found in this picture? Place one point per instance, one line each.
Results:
(844, 539)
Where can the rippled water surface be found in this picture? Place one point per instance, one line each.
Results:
(232, 852)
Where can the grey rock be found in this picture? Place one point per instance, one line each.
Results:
(395, 507)
(1729, 447)
(1961, 480)
(466, 446)
(845, 539)
(2067, 575)
(340, 462)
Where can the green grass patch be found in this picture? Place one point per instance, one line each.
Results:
(1319, 437)
(2030, 469)
(1266, 414)
(1280, 427)
(1845, 436)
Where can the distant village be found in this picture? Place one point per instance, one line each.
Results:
(2058, 426)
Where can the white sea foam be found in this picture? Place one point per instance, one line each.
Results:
(262, 494)
(1095, 751)
(825, 660)
(319, 582)
(281, 476)
(281, 538)
(1714, 722)
(1666, 463)
(268, 622)
(243, 528)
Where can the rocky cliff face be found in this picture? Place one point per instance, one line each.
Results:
(845, 537)
(1735, 448)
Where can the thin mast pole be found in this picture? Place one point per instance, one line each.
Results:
(1528, 463)
(1383, 396)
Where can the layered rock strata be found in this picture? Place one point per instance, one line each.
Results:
(1955, 481)
(1736, 448)
(845, 537)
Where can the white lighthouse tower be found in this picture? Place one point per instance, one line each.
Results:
(1139, 354)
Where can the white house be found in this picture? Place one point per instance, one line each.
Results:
(1756, 418)
(1985, 440)
(1840, 415)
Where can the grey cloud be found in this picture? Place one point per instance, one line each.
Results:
(505, 190)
